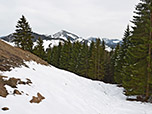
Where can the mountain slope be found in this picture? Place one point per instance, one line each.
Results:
(62, 36)
(15, 57)
(64, 93)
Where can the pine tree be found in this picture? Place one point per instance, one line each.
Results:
(56, 55)
(120, 59)
(96, 60)
(115, 58)
(22, 36)
(139, 79)
(92, 59)
(48, 54)
(75, 57)
(65, 56)
(39, 49)
(83, 67)
(100, 59)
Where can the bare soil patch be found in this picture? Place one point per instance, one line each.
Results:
(11, 57)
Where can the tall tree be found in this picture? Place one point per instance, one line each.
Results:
(39, 49)
(83, 67)
(65, 56)
(96, 60)
(139, 79)
(75, 57)
(23, 36)
(120, 59)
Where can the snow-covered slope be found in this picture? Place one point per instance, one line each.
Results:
(65, 35)
(66, 93)
(110, 43)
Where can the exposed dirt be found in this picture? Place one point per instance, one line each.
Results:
(12, 82)
(17, 92)
(3, 91)
(11, 57)
(37, 99)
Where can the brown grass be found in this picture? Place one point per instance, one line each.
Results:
(11, 57)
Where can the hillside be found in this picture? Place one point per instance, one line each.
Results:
(36, 88)
(15, 57)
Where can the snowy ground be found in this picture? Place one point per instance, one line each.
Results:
(66, 93)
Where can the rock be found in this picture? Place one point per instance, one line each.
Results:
(5, 108)
(37, 99)
(17, 92)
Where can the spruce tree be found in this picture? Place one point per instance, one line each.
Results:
(75, 57)
(92, 59)
(39, 49)
(65, 56)
(120, 59)
(22, 36)
(56, 55)
(139, 79)
(96, 60)
(83, 67)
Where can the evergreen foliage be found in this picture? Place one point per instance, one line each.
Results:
(22, 36)
(120, 57)
(84, 60)
(39, 49)
(133, 64)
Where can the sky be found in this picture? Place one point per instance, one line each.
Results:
(85, 18)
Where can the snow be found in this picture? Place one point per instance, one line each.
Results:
(72, 36)
(116, 41)
(10, 43)
(47, 43)
(66, 93)
(107, 48)
(79, 40)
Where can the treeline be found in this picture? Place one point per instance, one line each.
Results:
(88, 61)
(92, 62)
(129, 64)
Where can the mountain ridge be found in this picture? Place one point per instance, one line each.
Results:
(64, 35)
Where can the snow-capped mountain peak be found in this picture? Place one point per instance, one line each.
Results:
(63, 36)
(66, 35)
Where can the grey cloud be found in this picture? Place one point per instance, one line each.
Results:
(101, 18)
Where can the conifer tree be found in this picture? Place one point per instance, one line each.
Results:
(39, 49)
(83, 67)
(65, 56)
(48, 54)
(96, 60)
(115, 58)
(92, 59)
(22, 36)
(100, 59)
(139, 79)
(75, 57)
(120, 59)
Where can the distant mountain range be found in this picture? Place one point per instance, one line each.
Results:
(65, 36)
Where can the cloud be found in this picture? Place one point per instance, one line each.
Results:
(85, 17)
